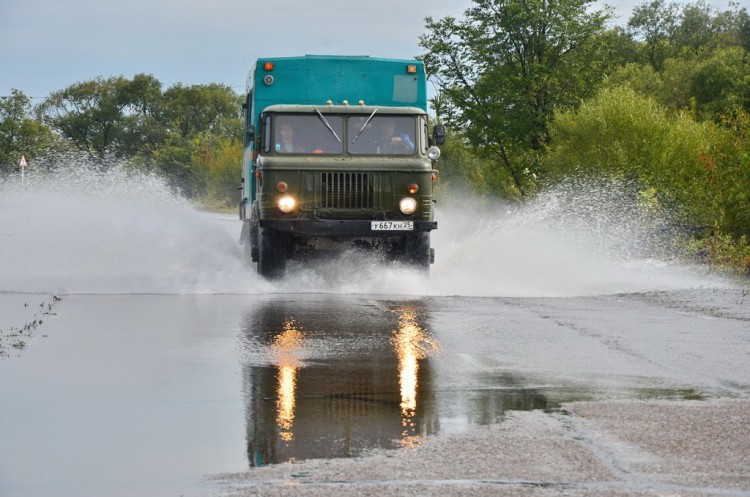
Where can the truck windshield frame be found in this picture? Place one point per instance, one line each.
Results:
(307, 134)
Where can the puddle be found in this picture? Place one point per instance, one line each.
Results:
(326, 377)
(320, 384)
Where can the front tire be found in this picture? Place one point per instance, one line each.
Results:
(249, 241)
(417, 252)
(273, 251)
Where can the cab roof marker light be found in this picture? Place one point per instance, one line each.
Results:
(411, 69)
(268, 66)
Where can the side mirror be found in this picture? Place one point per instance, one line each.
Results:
(438, 134)
(250, 131)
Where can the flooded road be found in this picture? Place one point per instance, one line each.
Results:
(140, 357)
(149, 394)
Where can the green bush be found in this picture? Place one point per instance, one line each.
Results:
(698, 171)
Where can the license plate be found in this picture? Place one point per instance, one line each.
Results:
(392, 225)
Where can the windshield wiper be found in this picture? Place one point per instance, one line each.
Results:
(365, 125)
(328, 125)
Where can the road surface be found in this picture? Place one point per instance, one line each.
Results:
(140, 357)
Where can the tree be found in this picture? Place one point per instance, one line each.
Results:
(189, 110)
(87, 114)
(655, 23)
(223, 174)
(199, 122)
(733, 27)
(19, 133)
(105, 116)
(721, 83)
(142, 127)
(503, 69)
(696, 28)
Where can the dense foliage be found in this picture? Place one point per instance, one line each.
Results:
(663, 104)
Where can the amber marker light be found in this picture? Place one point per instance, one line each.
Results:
(412, 189)
(268, 66)
(282, 187)
(411, 69)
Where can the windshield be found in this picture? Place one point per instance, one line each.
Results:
(308, 134)
(382, 135)
(319, 133)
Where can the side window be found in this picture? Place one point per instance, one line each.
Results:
(267, 133)
(248, 109)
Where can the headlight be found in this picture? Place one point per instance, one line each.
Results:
(287, 204)
(433, 153)
(407, 205)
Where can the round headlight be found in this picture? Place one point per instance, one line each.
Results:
(407, 205)
(433, 153)
(287, 204)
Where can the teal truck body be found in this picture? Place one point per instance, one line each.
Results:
(337, 154)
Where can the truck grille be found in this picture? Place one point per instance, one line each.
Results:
(347, 191)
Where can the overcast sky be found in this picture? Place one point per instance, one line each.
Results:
(46, 45)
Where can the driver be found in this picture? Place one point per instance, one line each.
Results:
(391, 142)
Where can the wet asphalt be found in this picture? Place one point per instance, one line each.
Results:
(312, 394)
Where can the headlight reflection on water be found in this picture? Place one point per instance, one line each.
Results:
(411, 343)
(286, 347)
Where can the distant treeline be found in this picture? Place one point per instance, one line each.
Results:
(532, 93)
(188, 134)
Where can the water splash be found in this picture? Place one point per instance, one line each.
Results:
(581, 238)
(82, 230)
(577, 239)
(79, 229)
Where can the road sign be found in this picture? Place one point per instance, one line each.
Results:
(22, 164)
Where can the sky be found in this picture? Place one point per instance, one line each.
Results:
(47, 45)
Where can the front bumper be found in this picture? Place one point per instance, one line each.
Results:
(338, 227)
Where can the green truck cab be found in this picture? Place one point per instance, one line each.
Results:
(337, 154)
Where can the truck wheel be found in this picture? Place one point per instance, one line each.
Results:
(272, 254)
(417, 250)
(250, 241)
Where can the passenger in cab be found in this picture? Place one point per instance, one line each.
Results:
(285, 140)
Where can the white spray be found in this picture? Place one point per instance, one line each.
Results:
(80, 230)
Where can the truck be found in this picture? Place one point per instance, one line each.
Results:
(337, 154)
